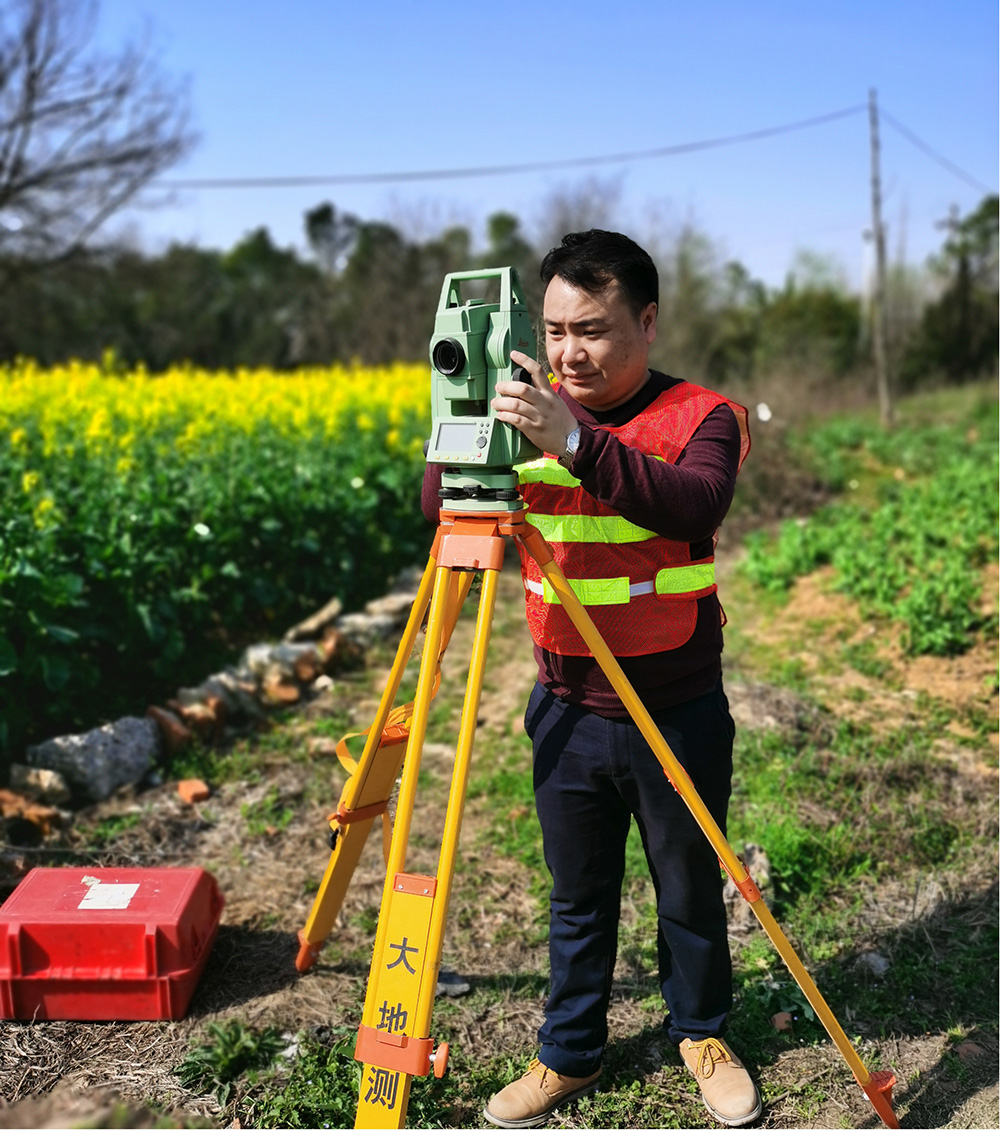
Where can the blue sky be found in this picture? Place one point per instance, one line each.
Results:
(302, 87)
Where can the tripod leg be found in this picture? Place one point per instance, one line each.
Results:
(367, 791)
(877, 1087)
(459, 786)
(385, 1042)
(369, 785)
(394, 1038)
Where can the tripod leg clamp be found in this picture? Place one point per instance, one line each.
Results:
(346, 816)
(394, 1051)
(746, 887)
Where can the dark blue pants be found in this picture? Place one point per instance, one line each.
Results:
(591, 775)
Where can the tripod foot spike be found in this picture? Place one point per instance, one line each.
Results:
(879, 1091)
(308, 953)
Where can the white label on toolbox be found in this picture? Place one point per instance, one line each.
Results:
(107, 897)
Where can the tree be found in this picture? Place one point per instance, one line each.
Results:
(386, 296)
(957, 337)
(507, 247)
(737, 330)
(811, 329)
(691, 294)
(577, 207)
(81, 131)
(275, 303)
(331, 236)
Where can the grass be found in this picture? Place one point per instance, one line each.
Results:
(849, 815)
(269, 815)
(844, 811)
(237, 762)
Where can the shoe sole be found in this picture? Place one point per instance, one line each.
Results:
(542, 1116)
(741, 1122)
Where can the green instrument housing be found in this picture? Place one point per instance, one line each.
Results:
(470, 353)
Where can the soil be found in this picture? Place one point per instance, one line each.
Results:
(831, 623)
(58, 1074)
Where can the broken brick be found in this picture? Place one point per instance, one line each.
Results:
(192, 790)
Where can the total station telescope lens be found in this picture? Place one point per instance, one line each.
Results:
(448, 357)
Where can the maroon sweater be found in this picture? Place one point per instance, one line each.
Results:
(685, 501)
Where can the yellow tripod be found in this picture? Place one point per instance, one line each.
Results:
(394, 1041)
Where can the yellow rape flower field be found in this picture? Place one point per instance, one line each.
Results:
(100, 406)
(139, 510)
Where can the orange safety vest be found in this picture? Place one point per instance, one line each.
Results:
(640, 589)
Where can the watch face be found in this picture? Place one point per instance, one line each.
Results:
(573, 440)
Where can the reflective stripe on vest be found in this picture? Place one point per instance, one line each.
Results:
(677, 581)
(552, 472)
(545, 470)
(611, 528)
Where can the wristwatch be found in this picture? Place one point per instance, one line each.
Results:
(572, 444)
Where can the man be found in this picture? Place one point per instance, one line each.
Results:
(639, 473)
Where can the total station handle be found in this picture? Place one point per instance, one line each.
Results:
(511, 291)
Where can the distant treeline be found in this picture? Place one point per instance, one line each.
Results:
(366, 291)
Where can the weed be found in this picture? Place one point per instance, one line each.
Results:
(365, 920)
(864, 658)
(239, 762)
(108, 830)
(268, 815)
(323, 1085)
(332, 725)
(776, 996)
(320, 1091)
(234, 1051)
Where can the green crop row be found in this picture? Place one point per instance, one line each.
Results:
(912, 547)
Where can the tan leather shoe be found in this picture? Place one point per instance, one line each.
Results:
(729, 1094)
(528, 1102)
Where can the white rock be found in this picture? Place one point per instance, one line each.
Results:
(871, 962)
(42, 785)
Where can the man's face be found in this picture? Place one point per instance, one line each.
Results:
(597, 348)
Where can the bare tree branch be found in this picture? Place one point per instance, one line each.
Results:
(81, 132)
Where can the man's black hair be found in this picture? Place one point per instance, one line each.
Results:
(592, 261)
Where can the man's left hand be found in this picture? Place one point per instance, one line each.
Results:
(537, 410)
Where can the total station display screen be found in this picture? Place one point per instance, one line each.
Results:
(456, 436)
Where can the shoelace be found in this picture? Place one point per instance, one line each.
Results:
(710, 1053)
(538, 1069)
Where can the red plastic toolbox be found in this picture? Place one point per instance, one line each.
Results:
(106, 944)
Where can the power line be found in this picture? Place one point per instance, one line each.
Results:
(932, 153)
(502, 170)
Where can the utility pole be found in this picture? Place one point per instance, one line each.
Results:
(879, 290)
